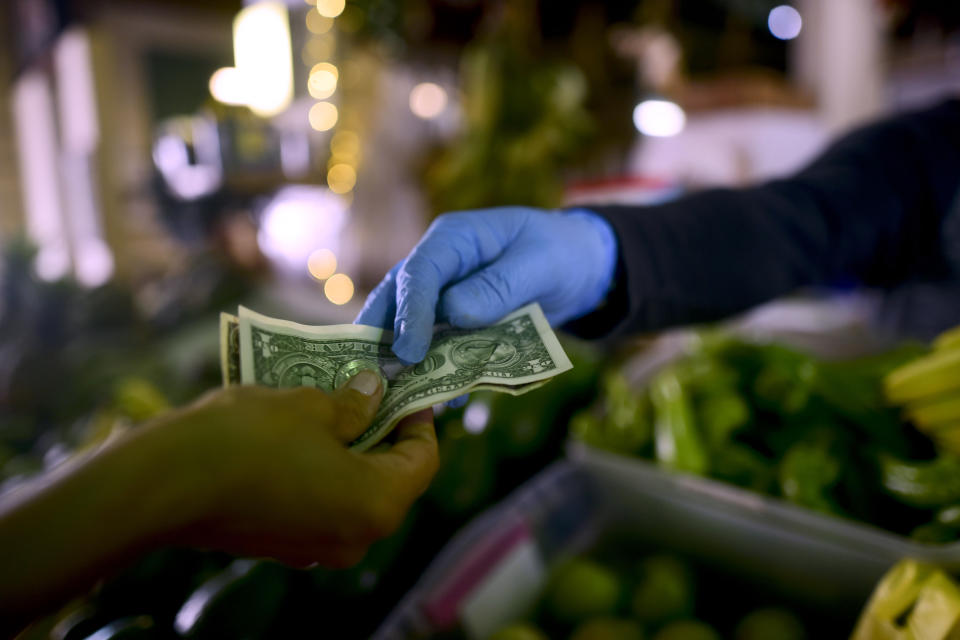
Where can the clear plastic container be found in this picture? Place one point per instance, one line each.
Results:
(825, 562)
(503, 552)
(492, 571)
(817, 558)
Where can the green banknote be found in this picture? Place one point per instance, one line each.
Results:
(230, 349)
(514, 355)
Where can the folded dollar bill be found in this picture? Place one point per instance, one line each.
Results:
(515, 355)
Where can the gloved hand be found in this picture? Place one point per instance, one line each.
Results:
(472, 268)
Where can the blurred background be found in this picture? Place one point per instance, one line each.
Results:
(164, 160)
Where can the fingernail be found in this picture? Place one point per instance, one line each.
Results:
(366, 382)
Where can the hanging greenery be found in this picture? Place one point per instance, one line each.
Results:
(524, 118)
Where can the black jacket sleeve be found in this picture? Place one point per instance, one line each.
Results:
(873, 208)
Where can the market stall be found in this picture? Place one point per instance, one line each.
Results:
(682, 366)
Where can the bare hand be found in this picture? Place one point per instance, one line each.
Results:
(285, 484)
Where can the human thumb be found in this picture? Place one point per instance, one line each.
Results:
(357, 403)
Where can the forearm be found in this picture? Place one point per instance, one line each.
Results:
(870, 208)
(89, 517)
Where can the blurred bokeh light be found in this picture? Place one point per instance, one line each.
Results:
(659, 118)
(339, 288)
(226, 86)
(322, 264)
(261, 37)
(341, 178)
(330, 8)
(298, 221)
(322, 81)
(323, 116)
(428, 100)
(317, 23)
(785, 22)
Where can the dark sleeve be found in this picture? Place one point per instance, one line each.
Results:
(869, 209)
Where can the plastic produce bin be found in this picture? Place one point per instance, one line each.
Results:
(494, 567)
(813, 557)
(818, 558)
(492, 571)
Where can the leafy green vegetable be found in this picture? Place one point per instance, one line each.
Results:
(679, 445)
(932, 483)
(772, 419)
(807, 472)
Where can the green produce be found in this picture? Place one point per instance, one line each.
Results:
(764, 624)
(519, 631)
(587, 426)
(925, 378)
(627, 423)
(608, 629)
(934, 533)
(913, 601)
(949, 339)
(580, 589)
(931, 483)
(853, 392)
(941, 412)
(744, 466)
(785, 384)
(707, 373)
(678, 442)
(949, 516)
(583, 599)
(722, 414)
(687, 630)
(945, 527)
(768, 418)
(947, 439)
(807, 473)
(665, 590)
(928, 389)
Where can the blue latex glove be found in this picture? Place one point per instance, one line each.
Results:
(472, 268)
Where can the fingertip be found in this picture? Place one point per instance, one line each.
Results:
(409, 356)
(366, 382)
(410, 345)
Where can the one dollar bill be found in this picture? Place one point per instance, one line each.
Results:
(515, 355)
